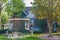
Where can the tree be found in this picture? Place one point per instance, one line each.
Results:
(15, 7)
(2, 5)
(4, 19)
(11, 7)
(49, 9)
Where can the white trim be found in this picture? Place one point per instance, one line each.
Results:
(19, 19)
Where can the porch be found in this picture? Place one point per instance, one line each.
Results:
(19, 24)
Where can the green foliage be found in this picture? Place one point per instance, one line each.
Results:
(3, 0)
(47, 9)
(11, 7)
(15, 6)
(4, 18)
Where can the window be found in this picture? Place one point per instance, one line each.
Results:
(27, 25)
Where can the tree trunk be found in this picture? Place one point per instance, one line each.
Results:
(0, 16)
(49, 22)
(2, 26)
(0, 13)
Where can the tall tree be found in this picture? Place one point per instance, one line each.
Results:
(11, 7)
(1, 7)
(49, 9)
(4, 19)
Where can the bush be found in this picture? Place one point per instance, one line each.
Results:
(3, 31)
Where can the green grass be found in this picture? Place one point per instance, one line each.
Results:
(27, 38)
(31, 38)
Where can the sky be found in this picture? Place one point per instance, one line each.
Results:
(28, 3)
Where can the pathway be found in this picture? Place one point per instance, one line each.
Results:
(45, 36)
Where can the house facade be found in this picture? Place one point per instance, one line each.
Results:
(26, 19)
(22, 23)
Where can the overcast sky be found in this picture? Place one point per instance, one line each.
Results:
(27, 2)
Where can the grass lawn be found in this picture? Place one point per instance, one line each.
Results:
(27, 38)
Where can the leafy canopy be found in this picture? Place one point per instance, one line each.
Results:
(9, 7)
(15, 6)
(47, 9)
(4, 18)
(12, 6)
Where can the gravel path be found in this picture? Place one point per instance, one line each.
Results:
(45, 36)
